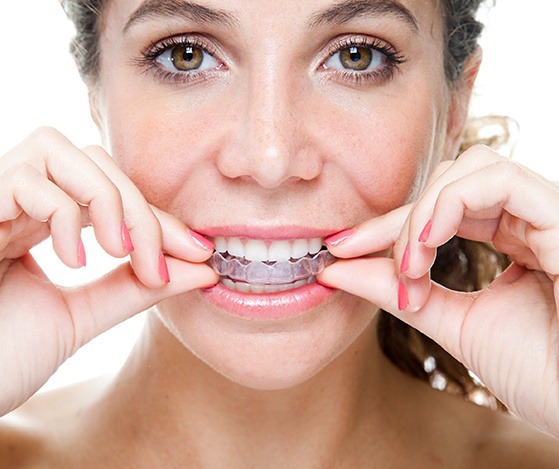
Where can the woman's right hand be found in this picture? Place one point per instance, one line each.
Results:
(48, 187)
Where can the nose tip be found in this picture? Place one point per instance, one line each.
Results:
(269, 142)
(270, 152)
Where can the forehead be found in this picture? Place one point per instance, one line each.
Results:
(414, 14)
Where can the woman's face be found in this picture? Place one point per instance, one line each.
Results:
(272, 120)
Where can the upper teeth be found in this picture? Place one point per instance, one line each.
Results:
(260, 250)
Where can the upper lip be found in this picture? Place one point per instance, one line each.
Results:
(267, 232)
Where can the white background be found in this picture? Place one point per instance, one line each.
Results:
(40, 86)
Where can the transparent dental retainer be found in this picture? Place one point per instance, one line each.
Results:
(268, 272)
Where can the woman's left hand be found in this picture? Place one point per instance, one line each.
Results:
(507, 333)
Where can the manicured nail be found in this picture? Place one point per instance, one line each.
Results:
(405, 265)
(424, 236)
(339, 238)
(126, 239)
(201, 241)
(403, 301)
(82, 259)
(163, 269)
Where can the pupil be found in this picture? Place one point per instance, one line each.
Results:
(188, 54)
(354, 54)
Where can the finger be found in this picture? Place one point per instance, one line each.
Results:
(372, 236)
(402, 249)
(440, 314)
(181, 242)
(503, 186)
(24, 189)
(421, 255)
(141, 223)
(119, 295)
(377, 280)
(54, 156)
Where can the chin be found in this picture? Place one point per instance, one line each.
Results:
(266, 355)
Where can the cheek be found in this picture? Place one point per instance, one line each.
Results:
(383, 146)
(162, 144)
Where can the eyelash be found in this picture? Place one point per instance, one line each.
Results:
(394, 59)
(149, 56)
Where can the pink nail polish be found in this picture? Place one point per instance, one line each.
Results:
(126, 240)
(201, 241)
(82, 259)
(403, 301)
(163, 269)
(424, 236)
(339, 238)
(405, 265)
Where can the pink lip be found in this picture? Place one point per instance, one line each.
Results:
(267, 232)
(268, 306)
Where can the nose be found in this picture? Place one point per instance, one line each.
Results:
(270, 145)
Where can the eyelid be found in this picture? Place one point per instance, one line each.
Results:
(148, 59)
(360, 40)
(393, 58)
(157, 48)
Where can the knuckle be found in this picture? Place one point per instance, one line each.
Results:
(68, 209)
(45, 135)
(18, 174)
(95, 150)
(111, 194)
(508, 170)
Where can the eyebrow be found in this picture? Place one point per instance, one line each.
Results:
(348, 10)
(160, 9)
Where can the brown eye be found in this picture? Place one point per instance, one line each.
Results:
(187, 58)
(356, 58)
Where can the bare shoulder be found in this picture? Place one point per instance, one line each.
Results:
(499, 439)
(30, 435)
(514, 443)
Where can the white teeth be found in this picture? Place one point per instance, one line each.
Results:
(235, 247)
(260, 250)
(256, 250)
(300, 248)
(315, 245)
(220, 244)
(279, 251)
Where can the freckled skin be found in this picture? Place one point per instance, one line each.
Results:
(273, 141)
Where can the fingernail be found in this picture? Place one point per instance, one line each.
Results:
(163, 269)
(126, 239)
(201, 241)
(405, 265)
(339, 238)
(82, 259)
(424, 236)
(403, 301)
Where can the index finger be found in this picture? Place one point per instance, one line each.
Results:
(374, 235)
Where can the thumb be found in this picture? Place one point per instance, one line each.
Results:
(432, 309)
(119, 295)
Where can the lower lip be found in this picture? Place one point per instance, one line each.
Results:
(268, 306)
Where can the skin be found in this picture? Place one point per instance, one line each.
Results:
(281, 141)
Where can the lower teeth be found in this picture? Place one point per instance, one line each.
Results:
(244, 287)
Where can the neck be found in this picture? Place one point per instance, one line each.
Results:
(181, 403)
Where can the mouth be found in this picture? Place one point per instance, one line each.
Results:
(268, 266)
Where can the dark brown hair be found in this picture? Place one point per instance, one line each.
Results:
(461, 264)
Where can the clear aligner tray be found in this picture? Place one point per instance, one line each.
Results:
(270, 273)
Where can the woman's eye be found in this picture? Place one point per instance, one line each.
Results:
(187, 58)
(356, 58)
